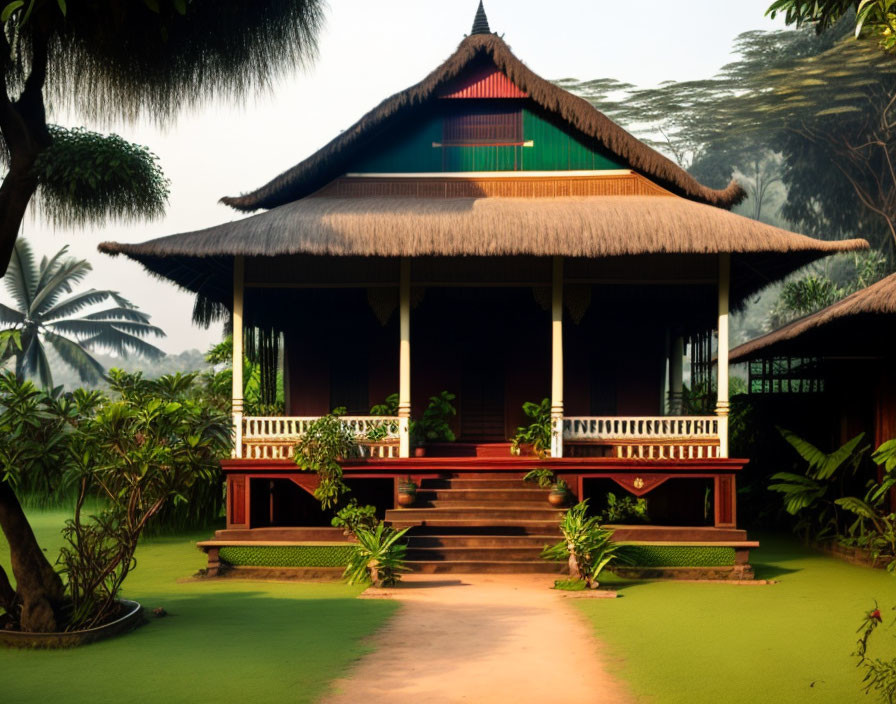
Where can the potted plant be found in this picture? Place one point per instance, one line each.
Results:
(545, 479)
(435, 425)
(407, 492)
(559, 493)
(534, 438)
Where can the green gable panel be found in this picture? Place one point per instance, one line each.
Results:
(409, 151)
(412, 151)
(556, 150)
(483, 158)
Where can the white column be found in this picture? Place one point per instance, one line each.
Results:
(237, 388)
(676, 375)
(557, 358)
(404, 360)
(722, 405)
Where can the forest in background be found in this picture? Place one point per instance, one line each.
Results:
(803, 120)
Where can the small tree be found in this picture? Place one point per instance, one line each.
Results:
(140, 453)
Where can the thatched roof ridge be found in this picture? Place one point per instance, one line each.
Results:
(584, 226)
(879, 299)
(331, 161)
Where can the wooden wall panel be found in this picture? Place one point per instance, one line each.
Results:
(885, 404)
(626, 184)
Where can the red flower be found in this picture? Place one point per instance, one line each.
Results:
(875, 615)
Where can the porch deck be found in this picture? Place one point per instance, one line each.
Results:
(475, 514)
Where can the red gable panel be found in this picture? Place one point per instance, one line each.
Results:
(483, 82)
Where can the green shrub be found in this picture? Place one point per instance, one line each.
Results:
(624, 509)
(326, 441)
(336, 555)
(353, 517)
(543, 477)
(679, 556)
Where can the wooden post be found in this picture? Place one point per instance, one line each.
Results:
(725, 501)
(722, 404)
(237, 387)
(557, 358)
(676, 376)
(404, 359)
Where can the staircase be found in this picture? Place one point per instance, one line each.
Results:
(477, 523)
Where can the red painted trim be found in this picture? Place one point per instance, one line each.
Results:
(415, 465)
(648, 482)
(486, 82)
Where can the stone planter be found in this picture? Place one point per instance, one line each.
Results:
(132, 618)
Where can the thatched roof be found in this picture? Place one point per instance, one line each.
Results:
(594, 128)
(590, 227)
(857, 323)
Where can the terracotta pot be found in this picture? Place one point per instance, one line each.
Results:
(557, 498)
(405, 499)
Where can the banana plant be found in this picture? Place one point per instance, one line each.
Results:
(809, 495)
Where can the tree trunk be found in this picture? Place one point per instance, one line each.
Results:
(39, 587)
(8, 596)
(16, 192)
(23, 127)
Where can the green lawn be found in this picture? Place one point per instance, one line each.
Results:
(223, 641)
(265, 642)
(713, 643)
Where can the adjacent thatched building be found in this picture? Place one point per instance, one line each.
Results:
(848, 353)
(528, 247)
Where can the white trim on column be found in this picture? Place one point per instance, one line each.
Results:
(722, 404)
(237, 376)
(404, 360)
(557, 358)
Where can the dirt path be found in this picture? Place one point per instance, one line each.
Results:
(481, 638)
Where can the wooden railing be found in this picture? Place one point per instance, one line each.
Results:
(647, 437)
(275, 437)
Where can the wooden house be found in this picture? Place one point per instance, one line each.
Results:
(486, 233)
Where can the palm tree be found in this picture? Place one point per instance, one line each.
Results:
(47, 316)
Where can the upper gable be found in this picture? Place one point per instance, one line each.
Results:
(481, 110)
(479, 135)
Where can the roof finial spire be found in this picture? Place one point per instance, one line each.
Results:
(480, 23)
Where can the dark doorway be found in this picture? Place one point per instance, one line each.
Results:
(281, 503)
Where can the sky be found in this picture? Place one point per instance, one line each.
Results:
(368, 50)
